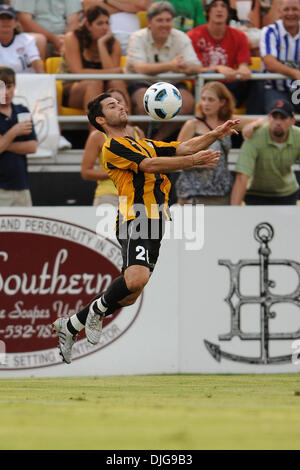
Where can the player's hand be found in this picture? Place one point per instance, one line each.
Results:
(23, 128)
(227, 128)
(206, 158)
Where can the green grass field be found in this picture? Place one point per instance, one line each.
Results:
(151, 412)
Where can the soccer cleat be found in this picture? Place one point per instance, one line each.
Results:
(66, 339)
(93, 326)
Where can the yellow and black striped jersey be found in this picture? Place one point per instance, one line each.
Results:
(147, 192)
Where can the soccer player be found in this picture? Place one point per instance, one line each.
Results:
(143, 187)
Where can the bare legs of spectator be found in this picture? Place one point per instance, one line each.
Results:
(81, 93)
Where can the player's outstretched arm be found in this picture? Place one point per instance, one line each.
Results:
(195, 144)
(202, 159)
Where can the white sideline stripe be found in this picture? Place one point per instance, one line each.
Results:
(34, 402)
(292, 406)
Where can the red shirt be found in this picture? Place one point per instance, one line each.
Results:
(232, 50)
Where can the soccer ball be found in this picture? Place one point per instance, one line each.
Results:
(162, 101)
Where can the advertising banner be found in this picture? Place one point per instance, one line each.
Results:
(38, 93)
(223, 298)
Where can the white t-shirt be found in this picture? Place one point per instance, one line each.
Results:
(142, 48)
(20, 53)
(123, 24)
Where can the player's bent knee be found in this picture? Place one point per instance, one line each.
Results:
(135, 285)
(136, 278)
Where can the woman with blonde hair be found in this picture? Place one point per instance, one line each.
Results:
(210, 186)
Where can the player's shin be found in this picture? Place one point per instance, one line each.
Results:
(104, 305)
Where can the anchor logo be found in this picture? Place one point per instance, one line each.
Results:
(263, 234)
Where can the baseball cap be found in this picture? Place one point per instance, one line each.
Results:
(8, 10)
(283, 107)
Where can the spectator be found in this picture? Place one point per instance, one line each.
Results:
(17, 50)
(189, 14)
(210, 186)
(235, 11)
(280, 53)
(225, 50)
(90, 49)
(48, 20)
(123, 17)
(264, 12)
(161, 48)
(267, 159)
(16, 140)
(106, 192)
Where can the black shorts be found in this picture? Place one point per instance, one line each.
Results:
(138, 247)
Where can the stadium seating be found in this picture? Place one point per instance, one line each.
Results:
(143, 18)
(123, 61)
(51, 66)
(255, 64)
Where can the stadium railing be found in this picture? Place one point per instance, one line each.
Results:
(73, 121)
(199, 81)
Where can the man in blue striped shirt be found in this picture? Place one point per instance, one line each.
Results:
(280, 52)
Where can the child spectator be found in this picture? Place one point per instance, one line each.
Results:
(16, 140)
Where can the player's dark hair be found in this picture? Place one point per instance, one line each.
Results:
(95, 110)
